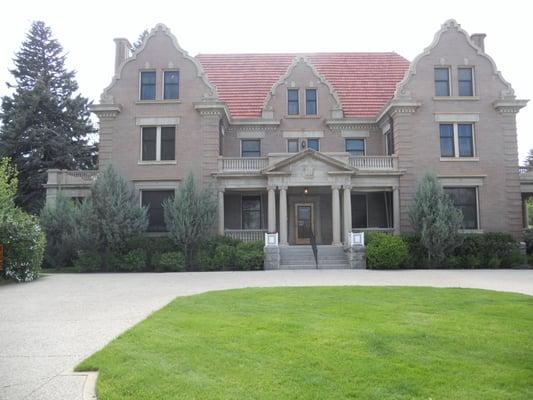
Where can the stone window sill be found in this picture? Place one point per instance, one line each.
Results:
(158, 102)
(456, 98)
(156, 162)
(460, 159)
(302, 117)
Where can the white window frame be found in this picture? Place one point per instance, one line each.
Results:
(249, 138)
(163, 83)
(316, 101)
(474, 91)
(355, 138)
(299, 102)
(456, 155)
(297, 145)
(157, 145)
(140, 84)
(450, 86)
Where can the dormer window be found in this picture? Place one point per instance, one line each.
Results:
(310, 101)
(442, 81)
(171, 81)
(293, 103)
(147, 90)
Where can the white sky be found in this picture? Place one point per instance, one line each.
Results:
(86, 31)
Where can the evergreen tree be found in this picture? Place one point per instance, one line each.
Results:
(190, 216)
(436, 219)
(140, 40)
(109, 216)
(529, 158)
(45, 124)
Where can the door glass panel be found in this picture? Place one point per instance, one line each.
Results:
(304, 222)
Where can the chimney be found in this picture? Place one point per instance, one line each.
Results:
(122, 51)
(479, 40)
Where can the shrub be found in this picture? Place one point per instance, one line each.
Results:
(88, 261)
(494, 262)
(58, 223)
(416, 252)
(24, 243)
(223, 258)
(131, 261)
(249, 256)
(171, 262)
(528, 238)
(386, 251)
(153, 247)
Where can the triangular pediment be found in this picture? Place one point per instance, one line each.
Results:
(309, 163)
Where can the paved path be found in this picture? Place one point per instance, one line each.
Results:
(49, 326)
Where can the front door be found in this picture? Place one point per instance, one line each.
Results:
(304, 223)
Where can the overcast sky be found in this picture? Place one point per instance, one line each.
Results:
(86, 31)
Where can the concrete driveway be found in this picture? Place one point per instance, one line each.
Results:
(49, 326)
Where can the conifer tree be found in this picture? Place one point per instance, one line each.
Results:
(436, 219)
(45, 122)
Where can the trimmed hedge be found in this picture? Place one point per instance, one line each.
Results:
(173, 261)
(385, 251)
(222, 253)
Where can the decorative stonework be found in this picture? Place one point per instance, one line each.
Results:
(509, 106)
(106, 111)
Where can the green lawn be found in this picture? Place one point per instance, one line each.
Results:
(326, 343)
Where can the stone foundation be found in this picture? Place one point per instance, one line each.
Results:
(356, 257)
(271, 257)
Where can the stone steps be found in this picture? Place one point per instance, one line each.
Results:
(301, 257)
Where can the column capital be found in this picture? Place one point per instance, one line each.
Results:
(335, 187)
(284, 187)
(347, 187)
(271, 187)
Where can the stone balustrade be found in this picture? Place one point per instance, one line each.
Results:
(246, 235)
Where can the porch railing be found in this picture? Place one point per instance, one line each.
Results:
(242, 164)
(374, 162)
(246, 235)
(388, 231)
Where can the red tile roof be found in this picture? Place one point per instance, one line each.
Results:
(364, 82)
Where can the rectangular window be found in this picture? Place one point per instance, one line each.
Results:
(466, 140)
(250, 148)
(149, 143)
(447, 147)
(465, 199)
(147, 85)
(466, 82)
(293, 104)
(313, 144)
(356, 147)
(171, 85)
(251, 212)
(153, 199)
(389, 143)
(310, 101)
(292, 145)
(168, 143)
(442, 81)
(158, 143)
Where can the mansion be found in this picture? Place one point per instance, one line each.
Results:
(320, 144)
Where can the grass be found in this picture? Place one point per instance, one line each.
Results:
(326, 343)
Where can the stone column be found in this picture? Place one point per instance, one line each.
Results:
(271, 209)
(347, 211)
(221, 211)
(283, 215)
(396, 209)
(336, 215)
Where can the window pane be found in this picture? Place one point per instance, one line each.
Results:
(153, 199)
(442, 80)
(148, 85)
(171, 85)
(465, 200)
(251, 212)
(168, 143)
(293, 107)
(149, 143)
(356, 147)
(466, 143)
(292, 146)
(465, 74)
(310, 101)
(465, 88)
(313, 144)
(447, 148)
(251, 148)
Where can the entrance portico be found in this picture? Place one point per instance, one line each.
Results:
(308, 193)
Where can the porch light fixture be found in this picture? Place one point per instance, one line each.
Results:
(306, 190)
